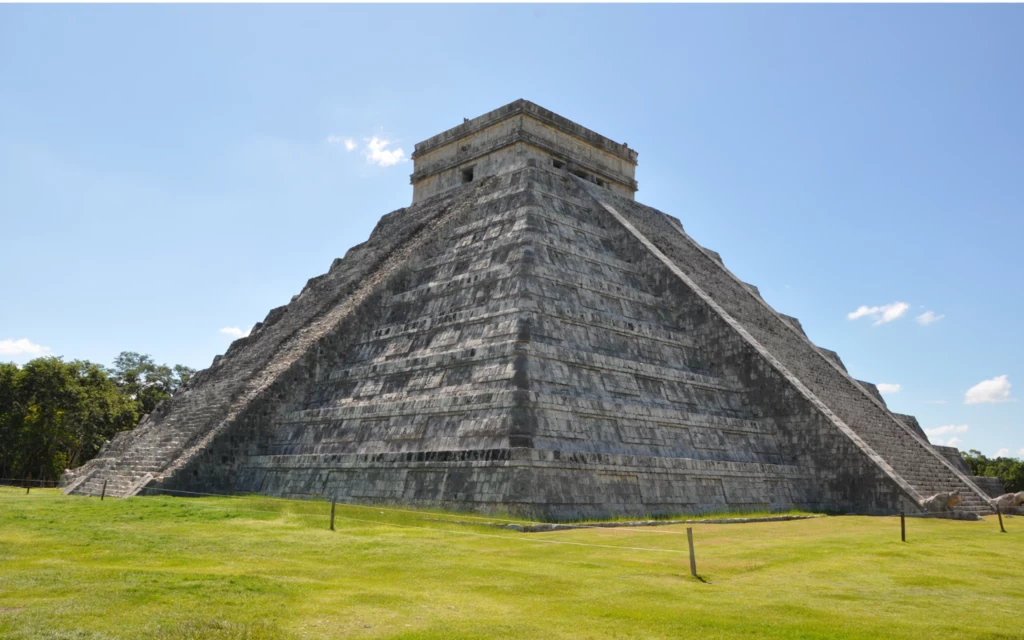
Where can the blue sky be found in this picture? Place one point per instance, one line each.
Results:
(167, 172)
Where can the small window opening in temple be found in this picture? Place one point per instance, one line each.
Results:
(581, 174)
(467, 175)
(600, 182)
(558, 164)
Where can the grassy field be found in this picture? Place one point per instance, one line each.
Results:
(256, 568)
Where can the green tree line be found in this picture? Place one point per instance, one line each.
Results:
(55, 415)
(1009, 470)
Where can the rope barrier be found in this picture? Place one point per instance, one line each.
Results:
(454, 531)
(454, 518)
(318, 515)
(349, 504)
(11, 482)
(458, 516)
(518, 538)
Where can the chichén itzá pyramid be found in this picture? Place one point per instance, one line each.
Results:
(527, 338)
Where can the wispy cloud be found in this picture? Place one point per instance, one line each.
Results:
(235, 332)
(1021, 453)
(377, 150)
(1003, 453)
(22, 347)
(995, 390)
(881, 314)
(888, 387)
(349, 143)
(947, 429)
(935, 435)
(929, 317)
(378, 153)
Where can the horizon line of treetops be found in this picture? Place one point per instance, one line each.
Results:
(55, 415)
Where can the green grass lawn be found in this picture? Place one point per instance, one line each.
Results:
(163, 567)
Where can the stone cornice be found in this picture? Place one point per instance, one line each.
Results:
(534, 111)
(521, 135)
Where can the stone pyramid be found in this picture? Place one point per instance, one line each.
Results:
(527, 338)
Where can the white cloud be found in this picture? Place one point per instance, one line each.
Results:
(995, 390)
(1021, 453)
(235, 332)
(929, 317)
(881, 314)
(378, 153)
(947, 429)
(862, 311)
(23, 347)
(888, 387)
(934, 435)
(350, 144)
(1003, 453)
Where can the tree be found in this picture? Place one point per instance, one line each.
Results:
(146, 382)
(183, 374)
(10, 418)
(56, 414)
(1009, 470)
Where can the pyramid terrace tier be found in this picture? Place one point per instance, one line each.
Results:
(543, 484)
(463, 420)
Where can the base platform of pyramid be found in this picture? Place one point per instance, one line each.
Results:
(526, 338)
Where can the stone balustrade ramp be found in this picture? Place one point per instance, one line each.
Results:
(901, 447)
(256, 368)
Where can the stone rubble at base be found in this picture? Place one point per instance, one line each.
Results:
(526, 338)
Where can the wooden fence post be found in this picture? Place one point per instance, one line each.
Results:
(999, 513)
(903, 527)
(103, 493)
(334, 503)
(693, 559)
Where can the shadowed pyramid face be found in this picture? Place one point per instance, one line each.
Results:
(529, 341)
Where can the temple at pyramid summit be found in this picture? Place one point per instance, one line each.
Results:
(526, 338)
